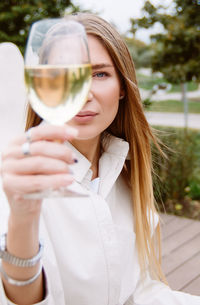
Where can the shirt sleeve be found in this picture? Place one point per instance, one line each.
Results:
(152, 292)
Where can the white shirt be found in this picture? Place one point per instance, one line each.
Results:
(90, 249)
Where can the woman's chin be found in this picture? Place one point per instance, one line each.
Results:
(86, 136)
(85, 132)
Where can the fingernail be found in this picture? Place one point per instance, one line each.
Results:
(74, 158)
(70, 131)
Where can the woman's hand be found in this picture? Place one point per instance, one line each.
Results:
(46, 167)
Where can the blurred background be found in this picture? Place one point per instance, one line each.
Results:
(164, 40)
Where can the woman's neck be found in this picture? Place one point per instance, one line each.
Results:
(91, 149)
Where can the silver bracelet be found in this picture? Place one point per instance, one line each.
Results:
(14, 260)
(18, 283)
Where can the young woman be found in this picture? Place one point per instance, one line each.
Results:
(99, 249)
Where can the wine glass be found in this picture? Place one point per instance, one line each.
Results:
(57, 77)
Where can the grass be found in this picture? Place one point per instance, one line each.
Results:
(147, 83)
(191, 86)
(173, 106)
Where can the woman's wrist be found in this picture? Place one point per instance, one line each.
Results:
(23, 235)
(28, 211)
(18, 220)
(22, 242)
(17, 261)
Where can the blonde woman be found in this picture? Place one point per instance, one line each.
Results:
(98, 250)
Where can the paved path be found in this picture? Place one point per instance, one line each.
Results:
(181, 253)
(162, 95)
(173, 119)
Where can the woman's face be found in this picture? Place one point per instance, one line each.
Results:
(103, 99)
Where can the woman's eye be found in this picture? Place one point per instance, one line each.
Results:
(100, 74)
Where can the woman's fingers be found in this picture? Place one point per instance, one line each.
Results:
(35, 166)
(46, 167)
(41, 148)
(20, 185)
(49, 133)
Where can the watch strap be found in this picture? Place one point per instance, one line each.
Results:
(14, 260)
(20, 283)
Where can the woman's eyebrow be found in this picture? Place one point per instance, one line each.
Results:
(100, 66)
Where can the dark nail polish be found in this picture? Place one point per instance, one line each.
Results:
(75, 160)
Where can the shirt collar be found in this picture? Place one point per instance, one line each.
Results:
(82, 167)
(110, 163)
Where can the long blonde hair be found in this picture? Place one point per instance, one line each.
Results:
(131, 125)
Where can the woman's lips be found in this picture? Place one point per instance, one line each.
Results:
(86, 113)
(85, 116)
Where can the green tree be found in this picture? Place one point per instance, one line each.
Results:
(16, 16)
(140, 52)
(177, 49)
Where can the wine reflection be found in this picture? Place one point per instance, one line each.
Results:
(51, 85)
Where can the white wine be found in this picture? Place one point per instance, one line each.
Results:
(57, 93)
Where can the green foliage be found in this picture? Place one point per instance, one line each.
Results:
(177, 49)
(147, 103)
(194, 189)
(177, 179)
(140, 52)
(16, 16)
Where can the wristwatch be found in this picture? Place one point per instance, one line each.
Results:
(14, 260)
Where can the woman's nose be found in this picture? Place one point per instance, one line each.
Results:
(90, 96)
